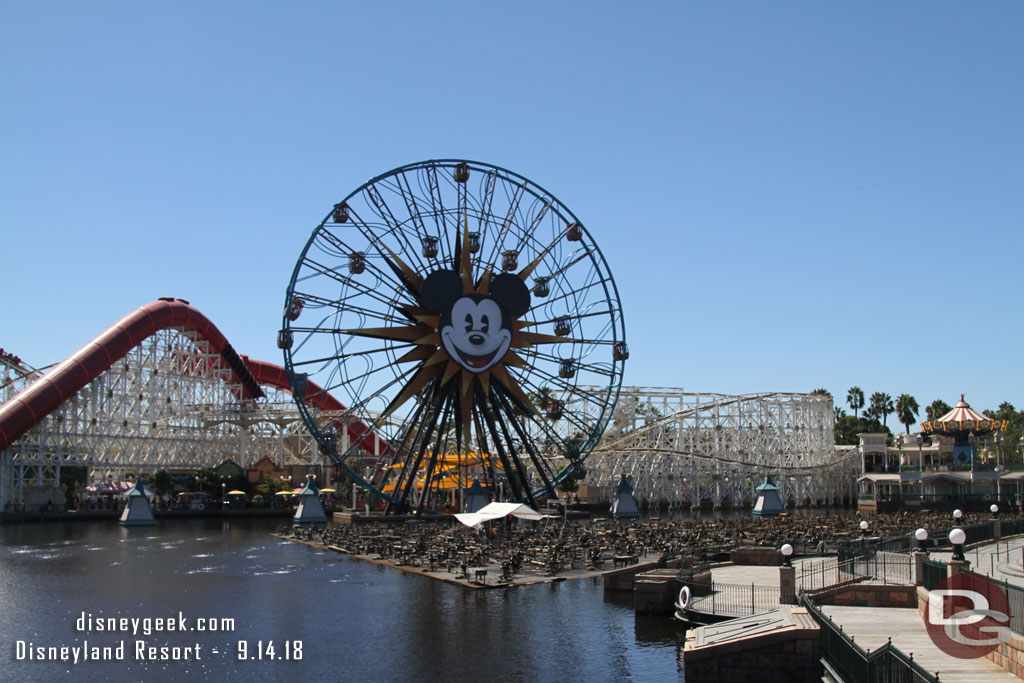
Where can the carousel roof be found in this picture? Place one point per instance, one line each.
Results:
(961, 413)
(963, 419)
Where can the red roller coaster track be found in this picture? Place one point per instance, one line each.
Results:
(46, 394)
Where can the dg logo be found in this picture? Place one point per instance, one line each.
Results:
(968, 616)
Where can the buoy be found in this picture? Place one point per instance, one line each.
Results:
(684, 598)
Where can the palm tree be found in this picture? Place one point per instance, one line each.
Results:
(821, 392)
(855, 399)
(937, 409)
(839, 413)
(906, 410)
(881, 405)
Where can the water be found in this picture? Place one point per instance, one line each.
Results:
(346, 619)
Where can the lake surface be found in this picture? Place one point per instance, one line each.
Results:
(328, 617)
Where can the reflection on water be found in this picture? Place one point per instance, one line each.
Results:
(356, 621)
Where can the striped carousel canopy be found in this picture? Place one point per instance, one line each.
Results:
(963, 418)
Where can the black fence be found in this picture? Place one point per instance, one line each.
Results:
(699, 561)
(933, 572)
(850, 550)
(1012, 526)
(733, 599)
(937, 538)
(1014, 596)
(850, 662)
(978, 533)
(880, 567)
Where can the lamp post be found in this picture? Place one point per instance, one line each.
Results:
(957, 538)
(958, 516)
(994, 509)
(922, 540)
(787, 576)
(972, 439)
(920, 438)
(864, 528)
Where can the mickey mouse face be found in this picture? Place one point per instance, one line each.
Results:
(475, 338)
(476, 329)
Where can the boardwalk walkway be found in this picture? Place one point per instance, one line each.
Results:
(871, 627)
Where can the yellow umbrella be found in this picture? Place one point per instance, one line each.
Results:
(327, 490)
(236, 492)
(283, 493)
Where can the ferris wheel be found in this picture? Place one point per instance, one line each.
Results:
(452, 322)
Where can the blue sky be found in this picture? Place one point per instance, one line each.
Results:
(789, 194)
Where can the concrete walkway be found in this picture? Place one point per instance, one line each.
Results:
(871, 627)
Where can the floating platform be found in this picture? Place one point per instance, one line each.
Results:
(489, 576)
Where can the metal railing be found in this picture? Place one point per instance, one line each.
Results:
(733, 599)
(886, 567)
(849, 550)
(1012, 526)
(933, 572)
(1014, 597)
(937, 538)
(853, 664)
(979, 533)
(700, 560)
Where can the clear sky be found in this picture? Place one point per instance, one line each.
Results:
(789, 194)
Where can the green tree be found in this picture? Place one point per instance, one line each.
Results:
(1011, 437)
(907, 410)
(541, 398)
(821, 392)
(271, 485)
(881, 406)
(1005, 411)
(937, 409)
(848, 428)
(208, 481)
(855, 399)
(839, 413)
(239, 482)
(161, 483)
(73, 477)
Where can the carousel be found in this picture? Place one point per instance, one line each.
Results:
(968, 481)
(966, 426)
